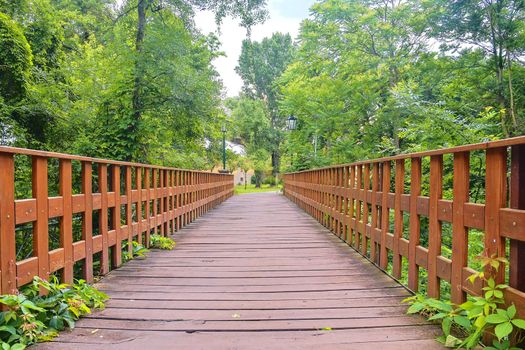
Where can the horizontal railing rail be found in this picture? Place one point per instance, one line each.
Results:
(428, 211)
(99, 204)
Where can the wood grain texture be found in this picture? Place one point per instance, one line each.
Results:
(252, 271)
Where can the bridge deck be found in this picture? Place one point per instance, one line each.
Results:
(255, 273)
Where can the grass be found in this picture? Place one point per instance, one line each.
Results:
(239, 189)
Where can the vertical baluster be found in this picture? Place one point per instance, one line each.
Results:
(116, 250)
(7, 224)
(154, 200)
(66, 223)
(129, 213)
(459, 231)
(415, 191)
(434, 225)
(359, 206)
(374, 224)
(495, 199)
(517, 201)
(140, 222)
(385, 213)
(398, 217)
(366, 211)
(147, 208)
(41, 225)
(103, 188)
(87, 220)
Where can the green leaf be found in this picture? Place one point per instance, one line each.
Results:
(519, 323)
(462, 321)
(18, 347)
(415, 308)
(496, 318)
(502, 330)
(511, 311)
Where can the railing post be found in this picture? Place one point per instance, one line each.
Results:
(517, 201)
(66, 223)
(7, 224)
(41, 225)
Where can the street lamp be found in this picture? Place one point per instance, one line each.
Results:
(223, 129)
(291, 123)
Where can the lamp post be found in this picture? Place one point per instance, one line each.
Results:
(291, 123)
(223, 129)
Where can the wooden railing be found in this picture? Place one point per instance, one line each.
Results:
(128, 201)
(384, 214)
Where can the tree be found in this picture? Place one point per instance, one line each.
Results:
(15, 60)
(496, 28)
(249, 11)
(260, 64)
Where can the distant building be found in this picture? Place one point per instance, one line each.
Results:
(240, 176)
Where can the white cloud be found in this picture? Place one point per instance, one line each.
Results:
(285, 17)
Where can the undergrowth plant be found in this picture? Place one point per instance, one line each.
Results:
(161, 242)
(464, 325)
(30, 317)
(137, 251)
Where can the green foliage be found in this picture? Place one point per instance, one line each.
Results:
(372, 78)
(15, 60)
(30, 317)
(464, 325)
(137, 251)
(161, 242)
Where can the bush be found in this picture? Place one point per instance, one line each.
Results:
(161, 242)
(270, 180)
(30, 317)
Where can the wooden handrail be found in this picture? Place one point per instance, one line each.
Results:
(152, 199)
(365, 203)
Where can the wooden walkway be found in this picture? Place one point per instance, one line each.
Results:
(255, 273)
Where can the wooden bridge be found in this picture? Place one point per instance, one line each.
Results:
(256, 272)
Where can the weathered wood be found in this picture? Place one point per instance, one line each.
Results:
(271, 280)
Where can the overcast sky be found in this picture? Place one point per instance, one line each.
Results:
(285, 17)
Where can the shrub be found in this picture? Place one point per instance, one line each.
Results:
(30, 317)
(161, 242)
(270, 180)
(464, 325)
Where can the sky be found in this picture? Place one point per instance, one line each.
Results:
(285, 17)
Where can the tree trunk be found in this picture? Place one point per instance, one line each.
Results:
(137, 103)
(276, 163)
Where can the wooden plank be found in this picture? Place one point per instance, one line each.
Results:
(434, 225)
(41, 225)
(415, 227)
(66, 223)
(517, 201)
(147, 186)
(459, 231)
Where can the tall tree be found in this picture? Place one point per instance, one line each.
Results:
(494, 26)
(250, 12)
(260, 64)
